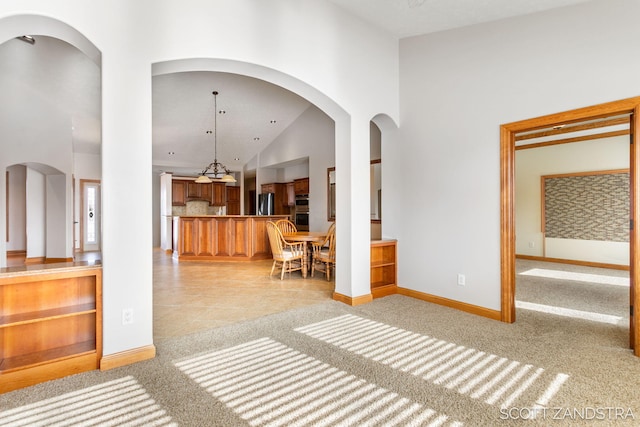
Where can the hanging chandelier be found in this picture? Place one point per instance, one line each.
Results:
(215, 171)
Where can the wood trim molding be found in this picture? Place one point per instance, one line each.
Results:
(462, 306)
(127, 357)
(35, 260)
(353, 301)
(574, 262)
(383, 291)
(6, 198)
(56, 260)
(587, 173)
(571, 140)
(634, 238)
(507, 225)
(17, 253)
(568, 129)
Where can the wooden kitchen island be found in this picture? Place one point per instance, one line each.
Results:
(222, 238)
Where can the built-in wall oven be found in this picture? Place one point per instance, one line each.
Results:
(301, 218)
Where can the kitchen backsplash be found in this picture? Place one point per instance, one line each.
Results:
(198, 207)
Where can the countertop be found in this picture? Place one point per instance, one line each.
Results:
(230, 216)
(33, 269)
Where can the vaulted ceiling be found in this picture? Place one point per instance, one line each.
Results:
(256, 112)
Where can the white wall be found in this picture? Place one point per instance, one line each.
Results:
(35, 133)
(297, 171)
(163, 212)
(56, 216)
(457, 87)
(17, 208)
(343, 65)
(531, 164)
(312, 135)
(36, 214)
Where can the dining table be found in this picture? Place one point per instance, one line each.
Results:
(307, 237)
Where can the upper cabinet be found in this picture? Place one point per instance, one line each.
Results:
(178, 192)
(290, 199)
(183, 190)
(268, 188)
(301, 185)
(194, 190)
(218, 194)
(233, 200)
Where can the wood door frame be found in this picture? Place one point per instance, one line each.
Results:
(507, 199)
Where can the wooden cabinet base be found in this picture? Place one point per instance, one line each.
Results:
(50, 323)
(51, 370)
(221, 238)
(383, 268)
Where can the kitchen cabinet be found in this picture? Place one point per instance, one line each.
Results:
(194, 190)
(178, 192)
(218, 194)
(222, 238)
(290, 197)
(206, 192)
(268, 188)
(233, 200)
(301, 185)
(183, 190)
(383, 268)
(50, 324)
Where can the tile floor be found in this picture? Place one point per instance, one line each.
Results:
(191, 296)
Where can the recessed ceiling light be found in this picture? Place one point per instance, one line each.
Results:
(171, 153)
(256, 139)
(272, 121)
(236, 158)
(222, 112)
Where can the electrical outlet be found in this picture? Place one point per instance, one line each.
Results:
(461, 280)
(127, 316)
(531, 244)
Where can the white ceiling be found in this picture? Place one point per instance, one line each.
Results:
(183, 104)
(404, 18)
(183, 111)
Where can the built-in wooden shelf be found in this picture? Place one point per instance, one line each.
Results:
(383, 268)
(48, 356)
(50, 323)
(44, 315)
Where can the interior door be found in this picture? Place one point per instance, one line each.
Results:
(90, 216)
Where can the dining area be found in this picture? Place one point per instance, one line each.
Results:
(305, 251)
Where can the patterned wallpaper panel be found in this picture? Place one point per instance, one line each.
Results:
(587, 207)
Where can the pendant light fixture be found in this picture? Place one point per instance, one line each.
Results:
(215, 169)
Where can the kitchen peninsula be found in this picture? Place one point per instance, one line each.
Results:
(222, 237)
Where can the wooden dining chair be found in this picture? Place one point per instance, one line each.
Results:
(285, 226)
(286, 255)
(324, 253)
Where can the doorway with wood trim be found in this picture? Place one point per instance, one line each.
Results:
(629, 108)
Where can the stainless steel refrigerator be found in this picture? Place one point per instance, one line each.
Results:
(265, 203)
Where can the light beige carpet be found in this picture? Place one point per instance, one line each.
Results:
(395, 361)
